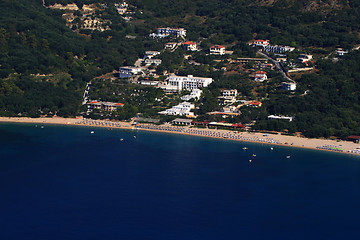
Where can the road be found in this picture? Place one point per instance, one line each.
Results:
(86, 94)
(278, 66)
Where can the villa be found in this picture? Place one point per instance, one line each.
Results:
(260, 43)
(217, 50)
(260, 76)
(189, 46)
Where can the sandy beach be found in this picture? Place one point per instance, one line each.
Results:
(338, 146)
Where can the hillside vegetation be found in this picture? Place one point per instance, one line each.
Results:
(45, 65)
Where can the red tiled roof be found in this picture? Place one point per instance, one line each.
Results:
(255, 103)
(217, 46)
(261, 40)
(93, 102)
(238, 125)
(189, 43)
(353, 137)
(260, 72)
(119, 104)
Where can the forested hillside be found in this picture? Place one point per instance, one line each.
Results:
(331, 107)
(37, 47)
(45, 63)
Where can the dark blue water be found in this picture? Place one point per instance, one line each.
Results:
(65, 183)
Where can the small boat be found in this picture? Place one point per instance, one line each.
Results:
(254, 155)
(271, 148)
(92, 132)
(121, 139)
(288, 156)
(134, 136)
(42, 126)
(250, 160)
(245, 148)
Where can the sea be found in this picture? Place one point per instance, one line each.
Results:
(67, 182)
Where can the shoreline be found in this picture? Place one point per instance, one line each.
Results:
(336, 146)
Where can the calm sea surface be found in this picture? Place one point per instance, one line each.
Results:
(61, 182)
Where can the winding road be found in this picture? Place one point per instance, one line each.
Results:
(278, 65)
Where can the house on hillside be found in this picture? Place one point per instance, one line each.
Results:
(255, 104)
(303, 58)
(127, 71)
(228, 96)
(170, 45)
(341, 52)
(289, 86)
(165, 32)
(217, 50)
(151, 54)
(278, 48)
(189, 46)
(260, 76)
(259, 43)
(150, 61)
(229, 92)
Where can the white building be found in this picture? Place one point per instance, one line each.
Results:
(281, 117)
(195, 94)
(127, 71)
(183, 109)
(151, 54)
(181, 121)
(148, 83)
(164, 32)
(305, 57)
(288, 86)
(150, 61)
(179, 83)
(228, 96)
(170, 45)
(341, 52)
(260, 76)
(278, 48)
(229, 92)
(190, 46)
(217, 50)
(260, 43)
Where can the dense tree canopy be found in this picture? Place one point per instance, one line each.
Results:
(45, 65)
